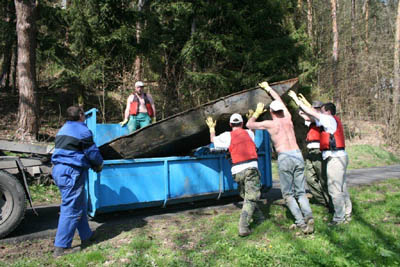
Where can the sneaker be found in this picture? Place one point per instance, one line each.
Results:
(348, 218)
(58, 252)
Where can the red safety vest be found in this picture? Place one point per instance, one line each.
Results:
(313, 134)
(242, 147)
(134, 108)
(333, 141)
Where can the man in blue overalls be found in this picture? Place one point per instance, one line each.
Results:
(75, 152)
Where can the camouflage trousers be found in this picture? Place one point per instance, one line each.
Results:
(315, 178)
(250, 190)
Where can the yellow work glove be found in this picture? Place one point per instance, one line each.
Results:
(265, 86)
(304, 100)
(211, 124)
(249, 114)
(259, 110)
(294, 97)
(122, 123)
(153, 120)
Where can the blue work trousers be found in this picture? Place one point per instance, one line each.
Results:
(73, 210)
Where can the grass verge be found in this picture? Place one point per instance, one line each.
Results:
(208, 237)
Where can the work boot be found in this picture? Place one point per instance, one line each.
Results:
(258, 215)
(58, 252)
(244, 229)
(85, 243)
(309, 229)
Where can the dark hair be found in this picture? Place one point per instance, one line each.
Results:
(74, 113)
(330, 107)
(236, 124)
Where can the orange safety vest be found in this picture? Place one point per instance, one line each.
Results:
(134, 108)
(242, 148)
(333, 141)
(314, 134)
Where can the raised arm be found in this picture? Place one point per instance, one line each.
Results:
(275, 96)
(308, 110)
(262, 125)
(211, 126)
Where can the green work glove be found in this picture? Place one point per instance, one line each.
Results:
(122, 123)
(304, 100)
(294, 97)
(265, 86)
(259, 110)
(211, 124)
(249, 114)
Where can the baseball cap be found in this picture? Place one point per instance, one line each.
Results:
(317, 104)
(139, 84)
(236, 118)
(276, 105)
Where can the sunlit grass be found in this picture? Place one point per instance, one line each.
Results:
(210, 238)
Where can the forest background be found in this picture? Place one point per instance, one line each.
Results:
(56, 53)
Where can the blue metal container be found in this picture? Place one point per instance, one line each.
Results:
(137, 183)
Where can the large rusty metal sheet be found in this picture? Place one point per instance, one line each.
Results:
(181, 133)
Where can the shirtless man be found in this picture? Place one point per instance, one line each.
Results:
(140, 110)
(290, 159)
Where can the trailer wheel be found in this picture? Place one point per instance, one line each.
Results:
(12, 203)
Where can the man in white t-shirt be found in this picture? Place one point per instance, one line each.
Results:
(334, 156)
(242, 148)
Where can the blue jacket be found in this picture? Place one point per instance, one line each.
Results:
(75, 146)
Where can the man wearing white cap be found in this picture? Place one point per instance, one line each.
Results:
(290, 159)
(140, 110)
(242, 148)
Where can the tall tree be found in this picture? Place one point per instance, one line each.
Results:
(309, 19)
(396, 87)
(7, 34)
(139, 26)
(28, 121)
(335, 50)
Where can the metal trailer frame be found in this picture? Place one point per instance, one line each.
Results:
(150, 182)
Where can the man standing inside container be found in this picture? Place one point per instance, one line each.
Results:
(242, 148)
(290, 159)
(140, 110)
(75, 152)
(334, 156)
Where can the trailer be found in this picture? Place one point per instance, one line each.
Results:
(150, 182)
(32, 159)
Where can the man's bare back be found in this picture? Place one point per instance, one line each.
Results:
(282, 134)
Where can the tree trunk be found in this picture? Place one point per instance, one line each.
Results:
(396, 88)
(366, 19)
(309, 20)
(352, 38)
(28, 122)
(138, 59)
(9, 34)
(335, 47)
